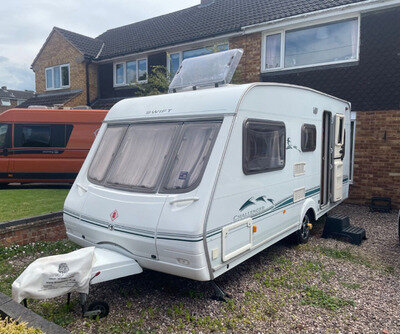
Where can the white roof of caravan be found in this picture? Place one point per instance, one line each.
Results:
(203, 102)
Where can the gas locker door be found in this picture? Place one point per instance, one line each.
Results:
(338, 158)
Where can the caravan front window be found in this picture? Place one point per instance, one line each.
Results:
(192, 155)
(263, 146)
(142, 156)
(169, 157)
(105, 152)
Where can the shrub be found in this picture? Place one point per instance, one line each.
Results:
(8, 326)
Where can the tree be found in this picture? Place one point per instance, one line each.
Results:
(157, 82)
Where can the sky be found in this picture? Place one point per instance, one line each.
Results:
(27, 24)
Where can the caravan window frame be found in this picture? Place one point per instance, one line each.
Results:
(159, 187)
(246, 123)
(304, 128)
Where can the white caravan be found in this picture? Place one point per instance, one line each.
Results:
(196, 182)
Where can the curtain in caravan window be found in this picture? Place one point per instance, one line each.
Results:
(105, 152)
(141, 156)
(192, 156)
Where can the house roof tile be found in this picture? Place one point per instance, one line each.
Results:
(15, 94)
(50, 99)
(194, 23)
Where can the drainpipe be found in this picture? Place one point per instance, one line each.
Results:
(87, 62)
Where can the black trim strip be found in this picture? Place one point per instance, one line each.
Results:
(39, 176)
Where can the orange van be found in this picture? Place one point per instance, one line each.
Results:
(45, 145)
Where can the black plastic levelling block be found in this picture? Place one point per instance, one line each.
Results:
(381, 204)
(338, 227)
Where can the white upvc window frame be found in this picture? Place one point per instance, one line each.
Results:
(124, 83)
(52, 71)
(283, 31)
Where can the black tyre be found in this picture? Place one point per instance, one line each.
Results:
(303, 235)
(101, 306)
(3, 185)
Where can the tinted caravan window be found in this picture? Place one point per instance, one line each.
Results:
(263, 146)
(308, 138)
(192, 155)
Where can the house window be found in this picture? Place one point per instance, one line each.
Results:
(130, 72)
(328, 43)
(57, 77)
(5, 102)
(175, 59)
(264, 147)
(308, 138)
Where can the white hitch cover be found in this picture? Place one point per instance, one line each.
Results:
(54, 276)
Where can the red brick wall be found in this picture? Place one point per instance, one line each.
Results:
(377, 157)
(250, 66)
(45, 230)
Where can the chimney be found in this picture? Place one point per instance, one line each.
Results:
(4, 87)
(205, 3)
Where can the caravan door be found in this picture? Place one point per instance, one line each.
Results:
(338, 158)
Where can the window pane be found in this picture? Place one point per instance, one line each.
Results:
(322, 44)
(308, 138)
(142, 155)
(192, 156)
(142, 64)
(105, 152)
(131, 72)
(174, 63)
(119, 74)
(5, 102)
(273, 51)
(57, 78)
(65, 75)
(264, 146)
(3, 134)
(32, 135)
(49, 78)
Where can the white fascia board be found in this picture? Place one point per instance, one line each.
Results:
(326, 14)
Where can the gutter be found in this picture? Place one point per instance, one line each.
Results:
(364, 6)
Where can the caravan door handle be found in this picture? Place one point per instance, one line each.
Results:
(182, 200)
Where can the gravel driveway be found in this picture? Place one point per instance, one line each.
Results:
(325, 286)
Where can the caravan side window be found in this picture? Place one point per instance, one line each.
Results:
(263, 146)
(308, 138)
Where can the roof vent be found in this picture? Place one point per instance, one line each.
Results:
(211, 70)
(205, 3)
(37, 107)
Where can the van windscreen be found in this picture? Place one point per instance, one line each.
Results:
(169, 157)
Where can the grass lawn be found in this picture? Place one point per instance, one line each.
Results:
(21, 202)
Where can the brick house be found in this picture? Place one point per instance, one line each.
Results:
(347, 48)
(10, 98)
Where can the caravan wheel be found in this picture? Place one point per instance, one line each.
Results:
(303, 235)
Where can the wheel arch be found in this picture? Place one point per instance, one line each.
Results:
(309, 206)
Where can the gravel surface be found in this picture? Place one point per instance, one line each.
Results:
(325, 286)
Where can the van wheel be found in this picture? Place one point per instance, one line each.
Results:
(303, 235)
(3, 185)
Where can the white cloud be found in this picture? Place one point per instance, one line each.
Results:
(28, 23)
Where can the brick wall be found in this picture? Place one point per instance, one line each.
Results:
(377, 157)
(58, 51)
(250, 65)
(52, 229)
